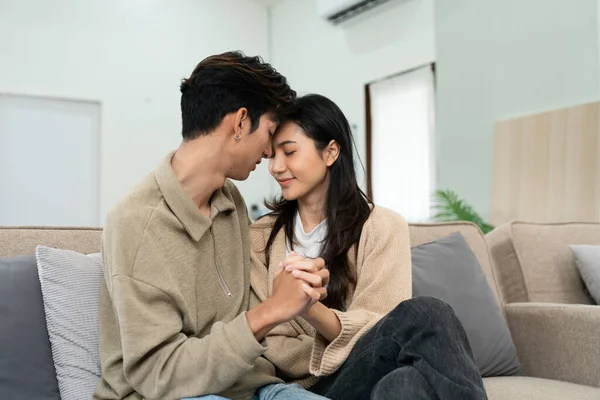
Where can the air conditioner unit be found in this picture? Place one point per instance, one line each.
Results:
(337, 11)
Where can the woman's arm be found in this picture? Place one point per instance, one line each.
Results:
(384, 279)
(324, 320)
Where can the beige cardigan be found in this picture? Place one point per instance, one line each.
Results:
(384, 279)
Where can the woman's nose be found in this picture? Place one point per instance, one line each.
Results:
(276, 166)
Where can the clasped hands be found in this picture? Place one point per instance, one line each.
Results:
(301, 282)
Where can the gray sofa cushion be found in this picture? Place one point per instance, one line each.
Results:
(71, 289)
(448, 269)
(588, 261)
(26, 367)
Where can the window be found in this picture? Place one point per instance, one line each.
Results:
(400, 146)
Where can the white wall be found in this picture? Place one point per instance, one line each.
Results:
(337, 61)
(494, 59)
(498, 59)
(130, 55)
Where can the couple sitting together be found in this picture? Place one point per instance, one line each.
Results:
(311, 301)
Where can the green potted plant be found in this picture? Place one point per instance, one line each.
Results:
(449, 207)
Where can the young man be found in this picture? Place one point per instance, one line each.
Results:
(174, 318)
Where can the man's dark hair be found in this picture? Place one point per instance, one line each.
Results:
(222, 84)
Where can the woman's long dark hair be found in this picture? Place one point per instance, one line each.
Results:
(347, 207)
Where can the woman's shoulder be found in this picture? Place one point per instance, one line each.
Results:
(260, 231)
(265, 222)
(382, 218)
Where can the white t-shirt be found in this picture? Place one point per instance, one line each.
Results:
(309, 244)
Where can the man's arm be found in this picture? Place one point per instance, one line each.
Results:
(263, 318)
(160, 361)
(292, 363)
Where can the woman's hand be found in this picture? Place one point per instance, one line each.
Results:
(311, 271)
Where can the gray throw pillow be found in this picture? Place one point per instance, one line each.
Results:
(70, 290)
(26, 367)
(448, 269)
(587, 258)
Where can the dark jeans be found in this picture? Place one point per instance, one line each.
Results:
(418, 351)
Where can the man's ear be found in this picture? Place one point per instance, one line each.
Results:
(241, 122)
(332, 152)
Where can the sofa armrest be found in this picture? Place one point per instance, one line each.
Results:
(557, 341)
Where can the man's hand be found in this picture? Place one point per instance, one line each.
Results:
(311, 271)
(299, 283)
(314, 273)
(290, 297)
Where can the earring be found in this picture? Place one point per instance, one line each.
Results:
(237, 136)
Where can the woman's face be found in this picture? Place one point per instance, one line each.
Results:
(298, 166)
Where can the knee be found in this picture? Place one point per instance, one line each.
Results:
(429, 313)
(433, 305)
(438, 310)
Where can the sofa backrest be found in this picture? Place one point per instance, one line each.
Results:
(425, 233)
(533, 262)
(16, 241)
(23, 240)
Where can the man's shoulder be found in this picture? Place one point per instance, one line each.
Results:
(137, 205)
(128, 221)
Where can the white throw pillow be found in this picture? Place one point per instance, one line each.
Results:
(587, 258)
(70, 290)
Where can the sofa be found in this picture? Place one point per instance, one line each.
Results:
(552, 319)
(554, 336)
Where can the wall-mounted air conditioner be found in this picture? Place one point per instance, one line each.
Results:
(337, 11)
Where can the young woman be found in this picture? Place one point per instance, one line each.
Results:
(367, 338)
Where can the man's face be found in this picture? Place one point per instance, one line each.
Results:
(253, 147)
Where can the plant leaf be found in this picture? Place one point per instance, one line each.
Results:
(450, 207)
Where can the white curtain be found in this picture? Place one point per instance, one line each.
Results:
(402, 147)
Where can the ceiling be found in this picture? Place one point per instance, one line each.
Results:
(269, 3)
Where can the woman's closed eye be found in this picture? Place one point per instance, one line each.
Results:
(289, 153)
